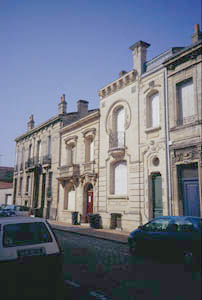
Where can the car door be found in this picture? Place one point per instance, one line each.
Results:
(154, 236)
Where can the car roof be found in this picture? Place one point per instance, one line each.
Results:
(19, 219)
(178, 217)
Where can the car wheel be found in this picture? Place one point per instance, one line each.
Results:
(133, 247)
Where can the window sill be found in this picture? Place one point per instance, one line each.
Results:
(111, 197)
(151, 129)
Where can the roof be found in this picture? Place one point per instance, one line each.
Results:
(6, 185)
(185, 49)
(19, 219)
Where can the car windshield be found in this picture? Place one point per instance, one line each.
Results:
(9, 207)
(25, 234)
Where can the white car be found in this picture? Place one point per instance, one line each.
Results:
(30, 257)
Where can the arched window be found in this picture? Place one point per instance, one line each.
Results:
(117, 138)
(153, 114)
(120, 178)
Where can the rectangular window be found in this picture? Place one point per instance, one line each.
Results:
(38, 150)
(185, 96)
(49, 146)
(49, 190)
(154, 110)
(27, 184)
(20, 187)
(30, 151)
(91, 150)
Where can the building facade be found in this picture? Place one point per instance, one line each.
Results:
(184, 73)
(135, 158)
(6, 185)
(78, 170)
(133, 179)
(37, 162)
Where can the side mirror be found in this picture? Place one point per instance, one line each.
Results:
(141, 227)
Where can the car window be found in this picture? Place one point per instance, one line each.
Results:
(25, 234)
(184, 225)
(157, 225)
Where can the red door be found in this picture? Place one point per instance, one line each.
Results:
(90, 202)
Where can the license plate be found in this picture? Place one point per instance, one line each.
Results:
(31, 252)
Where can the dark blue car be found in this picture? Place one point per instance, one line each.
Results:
(170, 236)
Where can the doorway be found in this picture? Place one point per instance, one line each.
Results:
(88, 202)
(189, 189)
(157, 204)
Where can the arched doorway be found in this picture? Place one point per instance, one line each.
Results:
(88, 201)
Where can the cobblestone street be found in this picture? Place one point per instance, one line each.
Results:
(106, 267)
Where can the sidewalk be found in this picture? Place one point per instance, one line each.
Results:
(106, 234)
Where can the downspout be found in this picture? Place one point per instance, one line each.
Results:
(167, 138)
(59, 164)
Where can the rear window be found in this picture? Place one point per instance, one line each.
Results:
(25, 234)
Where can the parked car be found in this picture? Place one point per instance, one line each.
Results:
(30, 257)
(8, 211)
(17, 210)
(172, 237)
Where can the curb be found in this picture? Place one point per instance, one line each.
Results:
(61, 228)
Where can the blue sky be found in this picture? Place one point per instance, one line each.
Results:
(51, 47)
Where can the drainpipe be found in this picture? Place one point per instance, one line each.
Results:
(167, 138)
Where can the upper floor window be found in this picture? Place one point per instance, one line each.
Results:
(185, 97)
(153, 113)
(119, 178)
(38, 150)
(89, 149)
(71, 154)
(30, 151)
(49, 145)
(117, 137)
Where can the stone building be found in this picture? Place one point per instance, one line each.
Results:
(133, 177)
(78, 170)
(37, 162)
(6, 185)
(184, 73)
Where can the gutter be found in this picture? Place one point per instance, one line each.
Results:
(168, 164)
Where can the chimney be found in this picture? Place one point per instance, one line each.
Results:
(139, 51)
(82, 106)
(30, 124)
(62, 106)
(197, 36)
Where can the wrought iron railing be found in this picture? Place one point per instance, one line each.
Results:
(46, 160)
(117, 140)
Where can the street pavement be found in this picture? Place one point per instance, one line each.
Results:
(97, 264)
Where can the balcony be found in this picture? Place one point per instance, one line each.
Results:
(67, 172)
(117, 144)
(32, 163)
(46, 161)
(88, 167)
(29, 164)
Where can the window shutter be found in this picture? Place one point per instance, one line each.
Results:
(154, 110)
(186, 96)
(71, 200)
(91, 150)
(120, 179)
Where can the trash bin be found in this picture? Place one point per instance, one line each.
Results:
(75, 218)
(94, 220)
